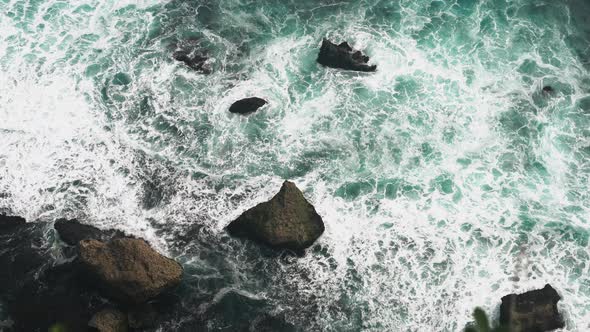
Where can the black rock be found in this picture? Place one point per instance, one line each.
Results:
(533, 311)
(247, 105)
(58, 299)
(287, 221)
(23, 250)
(193, 59)
(344, 57)
(8, 223)
(72, 232)
(547, 89)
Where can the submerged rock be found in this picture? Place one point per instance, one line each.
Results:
(287, 221)
(533, 311)
(72, 232)
(129, 269)
(194, 60)
(344, 57)
(547, 90)
(247, 105)
(109, 320)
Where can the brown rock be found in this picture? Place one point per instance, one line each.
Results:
(287, 221)
(109, 320)
(129, 269)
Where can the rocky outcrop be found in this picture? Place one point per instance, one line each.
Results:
(109, 320)
(287, 221)
(129, 269)
(344, 57)
(8, 223)
(533, 311)
(247, 105)
(193, 59)
(72, 232)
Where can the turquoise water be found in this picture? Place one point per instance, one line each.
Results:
(446, 179)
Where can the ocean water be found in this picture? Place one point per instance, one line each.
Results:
(446, 179)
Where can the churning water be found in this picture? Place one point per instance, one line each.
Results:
(446, 179)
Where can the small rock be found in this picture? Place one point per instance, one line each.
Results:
(287, 221)
(109, 320)
(247, 105)
(129, 269)
(193, 59)
(344, 57)
(533, 311)
(142, 317)
(72, 232)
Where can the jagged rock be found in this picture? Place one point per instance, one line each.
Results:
(287, 221)
(129, 269)
(247, 105)
(109, 320)
(72, 232)
(344, 57)
(533, 311)
(193, 59)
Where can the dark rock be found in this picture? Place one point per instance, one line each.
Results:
(287, 221)
(60, 298)
(72, 232)
(533, 311)
(23, 250)
(129, 269)
(247, 105)
(548, 89)
(8, 223)
(142, 317)
(193, 59)
(109, 320)
(344, 57)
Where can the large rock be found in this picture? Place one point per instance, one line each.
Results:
(8, 223)
(344, 57)
(247, 105)
(72, 232)
(109, 320)
(287, 221)
(129, 269)
(533, 311)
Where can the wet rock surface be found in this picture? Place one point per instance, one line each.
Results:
(287, 221)
(343, 56)
(129, 270)
(72, 232)
(247, 105)
(532, 311)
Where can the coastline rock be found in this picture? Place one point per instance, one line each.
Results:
(344, 57)
(129, 269)
(142, 317)
(109, 320)
(533, 311)
(247, 105)
(72, 232)
(287, 221)
(10, 222)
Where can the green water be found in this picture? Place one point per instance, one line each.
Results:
(446, 179)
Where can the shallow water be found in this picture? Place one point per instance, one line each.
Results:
(446, 179)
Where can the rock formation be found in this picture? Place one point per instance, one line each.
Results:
(533, 311)
(287, 221)
(129, 269)
(344, 57)
(247, 105)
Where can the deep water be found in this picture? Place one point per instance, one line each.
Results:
(446, 179)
